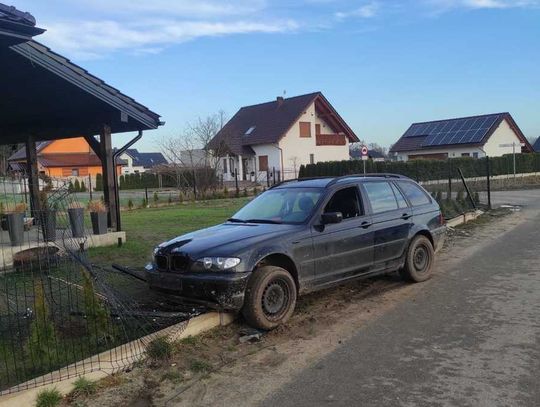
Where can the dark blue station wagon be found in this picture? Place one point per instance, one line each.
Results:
(300, 236)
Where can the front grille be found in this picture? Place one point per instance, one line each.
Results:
(162, 262)
(179, 262)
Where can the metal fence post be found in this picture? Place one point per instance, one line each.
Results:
(488, 173)
(449, 179)
(236, 182)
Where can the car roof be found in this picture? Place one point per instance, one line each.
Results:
(324, 182)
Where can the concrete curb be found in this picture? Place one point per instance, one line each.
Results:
(107, 362)
(464, 218)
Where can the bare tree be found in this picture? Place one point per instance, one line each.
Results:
(295, 161)
(190, 155)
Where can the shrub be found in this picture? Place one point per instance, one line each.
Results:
(156, 197)
(459, 197)
(144, 203)
(159, 349)
(180, 197)
(41, 343)
(476, 198)
(245, 192)
(97, 316)
(225, 192)
(83, 187)
(77, 186)
(48, 398)
(96, 206)
(84, 387)
(130, 204)
(170, 199)
(255, 191)
(438, 196)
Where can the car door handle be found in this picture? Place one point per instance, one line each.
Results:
(405, 216)
(365, 225)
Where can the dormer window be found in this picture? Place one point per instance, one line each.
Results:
(249, 131)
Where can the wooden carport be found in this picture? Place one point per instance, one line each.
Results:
(45, 97)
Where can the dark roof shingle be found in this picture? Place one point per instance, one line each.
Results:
(267, 123)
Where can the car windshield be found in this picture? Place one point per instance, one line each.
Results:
(281, 205)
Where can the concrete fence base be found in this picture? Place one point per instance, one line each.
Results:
(108, 362)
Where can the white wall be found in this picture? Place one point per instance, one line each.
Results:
(502, 135)
(274, 158)
(129, 168)
(294, 146)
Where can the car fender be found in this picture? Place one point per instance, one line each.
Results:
(260, 253)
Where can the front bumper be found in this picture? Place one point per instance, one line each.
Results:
(225, 290)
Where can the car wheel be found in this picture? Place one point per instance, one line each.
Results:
(270, 297)
(419, 261)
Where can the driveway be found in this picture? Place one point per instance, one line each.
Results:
(472, 339)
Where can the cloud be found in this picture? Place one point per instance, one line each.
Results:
(483, 4)
(182, 8)
(366, 11)
(92, 39)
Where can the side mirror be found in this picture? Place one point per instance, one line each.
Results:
(331, 217)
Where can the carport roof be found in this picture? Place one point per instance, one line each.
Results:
(49, 97)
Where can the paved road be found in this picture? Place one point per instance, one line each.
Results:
(473, 339)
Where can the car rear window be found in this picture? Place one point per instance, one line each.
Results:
(414, 193)
(381, 196)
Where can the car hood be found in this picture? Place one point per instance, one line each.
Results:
(225, 239)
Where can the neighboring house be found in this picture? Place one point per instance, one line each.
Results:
(536, 145)
(65, 158)
(475, 136)
(279, 136)
(372, 154)
(136, 162)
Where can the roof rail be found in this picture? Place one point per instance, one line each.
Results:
(368, 175)
(298, 180)
(335, 179)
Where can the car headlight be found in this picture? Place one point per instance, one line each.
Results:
(218, 263)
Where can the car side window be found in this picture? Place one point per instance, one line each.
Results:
(345, 201)
(381, 196)
(402, 203)
(414, 193)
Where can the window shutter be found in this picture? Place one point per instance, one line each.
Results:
(305, 129)
(263, 163)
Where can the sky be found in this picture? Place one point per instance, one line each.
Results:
(383, 64)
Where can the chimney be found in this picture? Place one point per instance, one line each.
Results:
(279, 100)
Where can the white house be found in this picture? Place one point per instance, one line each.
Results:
(275, 138)
(136, 162)
(476, 136)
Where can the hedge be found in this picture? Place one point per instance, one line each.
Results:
(426, 170)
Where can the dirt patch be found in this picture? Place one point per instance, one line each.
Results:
(214, 369)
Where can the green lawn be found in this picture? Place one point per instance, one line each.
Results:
(145, 228)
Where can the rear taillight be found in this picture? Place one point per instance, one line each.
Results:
(442, 221)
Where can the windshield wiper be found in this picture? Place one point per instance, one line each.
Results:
(236, 220)
(274, 222)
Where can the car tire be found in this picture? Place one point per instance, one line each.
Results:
(270, 297)
(419, 261)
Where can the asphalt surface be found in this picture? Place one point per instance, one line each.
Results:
(472, 339)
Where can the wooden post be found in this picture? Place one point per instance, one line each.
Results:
(33, 179)
(109, 172)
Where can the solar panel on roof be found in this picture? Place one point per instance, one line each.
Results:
(454, 131)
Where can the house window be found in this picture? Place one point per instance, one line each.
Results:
(312, 158)
(317, 129)
(249, 131)
(305, 129)
(263, 163)
(74, 172)
(225, 165)
(475, 155)
(465, 155)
